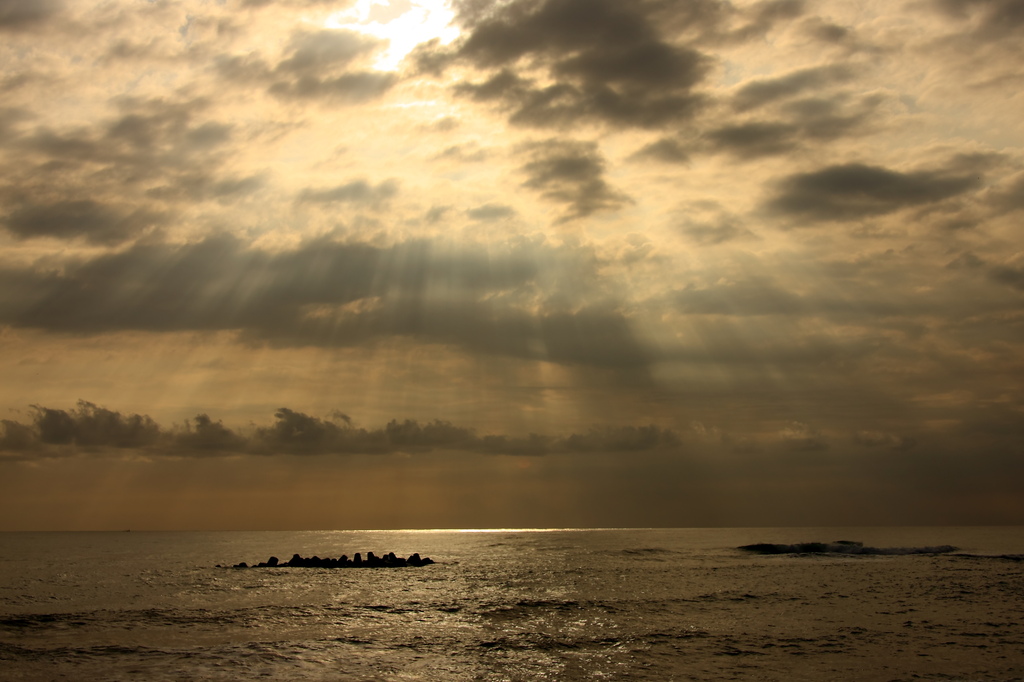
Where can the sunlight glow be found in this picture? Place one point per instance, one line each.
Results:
(403, 23)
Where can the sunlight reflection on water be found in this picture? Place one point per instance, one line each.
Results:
(500, 604)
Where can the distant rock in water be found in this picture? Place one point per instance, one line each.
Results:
(842, 547)
(389, 560)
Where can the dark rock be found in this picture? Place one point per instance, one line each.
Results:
(371, 560)
(842, 547)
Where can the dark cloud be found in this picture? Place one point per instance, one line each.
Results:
(556, 62)
(292, 3)
(708, 222)
(311, 53)
(1009, 197)
(355, 192)
(823, 119)
(764, 91)
(716, 233)
(826, 31)
(17, 15)
(990, 18)
(201, 186)
(79, 219)
(571, 173)
(588, 337)
(328, 294)
(316, 64)
(666, 149)
(623, 439)
(752, 140)
(10, 119)
(349, 87)
(795, 123)
(119, 179)
(18, 437)
(853, 191)
(761, 17)
(1008, 275)
(436, 213)
(750, 297)
(800, 123)
(202, 434)
(92, 428)
(592, 336)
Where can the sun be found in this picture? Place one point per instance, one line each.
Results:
(403, 23)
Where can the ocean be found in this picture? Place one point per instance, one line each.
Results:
(637, 604)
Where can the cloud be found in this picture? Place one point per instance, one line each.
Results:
(666, 149)
(332, 294)
(202, 434)
(292, 3)
(90, 428)
(1010, 195)
(16, 15)
(470, 153)
(762, 16)
(316, 64)
(881, 439)
(83, 218)
(354, 192)
(623, 439)
(1008, 275)
(751, 140)
(591, 337)
(802, 123)
(595, 60)
(572, 173)
(991, 19)
(760, 92)
(491, 212)
(801, 437)
(313, 52)
(120, 177)
(709, 223)
(827, 31)
(823, 119)
(436, 213)
(853, 191)
(716, 233)
(18, 437)
(751, 297)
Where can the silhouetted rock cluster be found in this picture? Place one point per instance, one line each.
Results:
(842, 547)
(371, 560)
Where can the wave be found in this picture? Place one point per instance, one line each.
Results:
(842, 547)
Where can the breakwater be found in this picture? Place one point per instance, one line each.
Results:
(371, 560)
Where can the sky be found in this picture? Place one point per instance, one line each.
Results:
(290, 264)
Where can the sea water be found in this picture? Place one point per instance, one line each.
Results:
(646, 604)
